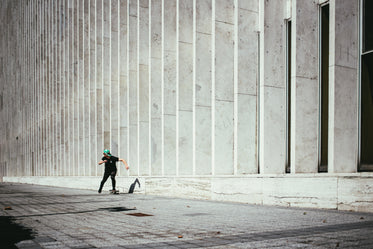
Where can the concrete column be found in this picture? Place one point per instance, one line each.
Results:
(246, 82)
(86, 88)
(143, 91)
(156, 37)
(114, 101)
(132, 85)
(272, 89)
(99, 83)
(202, 89)
(305, 85)
(169, 90)
(93, 119)
(76, 89)
(224, 88)
(123, 149)
(185, 87)
(343, 81)
(107, 72)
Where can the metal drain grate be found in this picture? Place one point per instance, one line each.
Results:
(140, 214)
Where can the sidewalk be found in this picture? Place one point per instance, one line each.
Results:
(49, 217)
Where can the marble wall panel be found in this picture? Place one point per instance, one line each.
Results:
(224, 128)
(203, 16)
(156, 88)
(132, 46)
(344, 144)
(252, 5)
(133, 157)
(224, 11)
(185, 76)
(185, 21)
(224, 61)
(185, 143)
(169, 79)
(156, 147)
(203, 139)
(123, 143)
(156, 28)
(169, 145)
(203, 70)
(123, 107)
(346, 29)
(355, 194)
(343, 104)
(300, 192)
(169, 25)
(143, 93)
(247, 139)
(247, 61)
(144, 154)
(306, 130)
(246, 190)
(143, 41)
(273, 130)
(306, 16)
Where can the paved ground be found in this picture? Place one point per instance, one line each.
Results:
(49, 217)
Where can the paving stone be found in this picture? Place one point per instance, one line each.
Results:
(71, 218)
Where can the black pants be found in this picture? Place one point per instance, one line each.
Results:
(106, 176)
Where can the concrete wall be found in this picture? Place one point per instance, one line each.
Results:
(193, 94)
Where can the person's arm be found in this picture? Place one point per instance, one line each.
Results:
(125, 163)
(101, 162)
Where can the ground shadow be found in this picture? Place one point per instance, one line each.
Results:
(12, 233)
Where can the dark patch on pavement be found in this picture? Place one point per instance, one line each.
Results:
(11, 232)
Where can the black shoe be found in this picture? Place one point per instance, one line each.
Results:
(99, 191)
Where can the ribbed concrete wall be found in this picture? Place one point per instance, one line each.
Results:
(171, 86)
(192, 93)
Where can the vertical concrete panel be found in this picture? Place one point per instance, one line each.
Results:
(343, 102)
(203, 87)
(76, 88)
(169, 145)
(114, 101)
(156, 147)
(169, 90)
(224, 11)
(224, 87)
(92, 89)
(144, 87)
(224, 61)
(123, 84)
(273, 113)
(156, 87)
(99, 82)
(247, 156)
(107, 72)
(86, 88)
(224, 129)
(185, 87)
(272, 91)
(132, 87)
(247, 82)
(306, 101)
(203, 140)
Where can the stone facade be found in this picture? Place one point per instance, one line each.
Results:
(192, 93)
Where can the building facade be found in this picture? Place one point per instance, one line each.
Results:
(256, 101)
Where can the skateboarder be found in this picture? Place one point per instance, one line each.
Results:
(110, 169)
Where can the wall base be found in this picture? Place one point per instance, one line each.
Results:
(353, 192)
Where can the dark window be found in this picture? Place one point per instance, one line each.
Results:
(366, 89)
(324, 93)
(367, 25)
(288, 79)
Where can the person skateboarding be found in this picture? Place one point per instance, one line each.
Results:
(110, 169)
